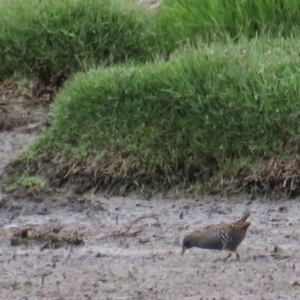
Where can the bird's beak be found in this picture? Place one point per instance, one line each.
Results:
(183, 250)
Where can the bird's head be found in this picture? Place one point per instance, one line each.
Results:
(188, 242)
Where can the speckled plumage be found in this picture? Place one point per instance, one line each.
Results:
(226, 236)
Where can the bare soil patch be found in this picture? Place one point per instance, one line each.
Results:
(144, 262)
(24, 107)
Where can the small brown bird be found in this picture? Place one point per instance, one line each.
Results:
(226, 236)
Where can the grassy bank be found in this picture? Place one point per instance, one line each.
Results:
(57, 38)
(209, 118)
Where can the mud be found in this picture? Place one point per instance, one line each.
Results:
(146, 263)
(123, 259)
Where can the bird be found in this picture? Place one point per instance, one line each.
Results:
(224, 236)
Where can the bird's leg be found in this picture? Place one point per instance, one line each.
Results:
(229, 254)
(238, 256)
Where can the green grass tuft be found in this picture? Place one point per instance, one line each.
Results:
(33, 184)
(56, 38)
(183, 21)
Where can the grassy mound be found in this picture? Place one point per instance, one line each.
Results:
(53, 39)
(205, 118)
(56, 38)
(211, 20)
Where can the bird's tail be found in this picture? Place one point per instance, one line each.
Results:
(245, 216)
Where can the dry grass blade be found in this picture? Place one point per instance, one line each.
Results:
(279, 175)
(153, 216)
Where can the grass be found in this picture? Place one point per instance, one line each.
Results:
(182, 21)
(57, 38)
(204, 119)
(34, 184)
(221, 112)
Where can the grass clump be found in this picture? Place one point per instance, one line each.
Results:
(30, 183)
(202, 117)
(216, 20)
(56, 38)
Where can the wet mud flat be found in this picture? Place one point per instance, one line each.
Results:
(132, 250)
